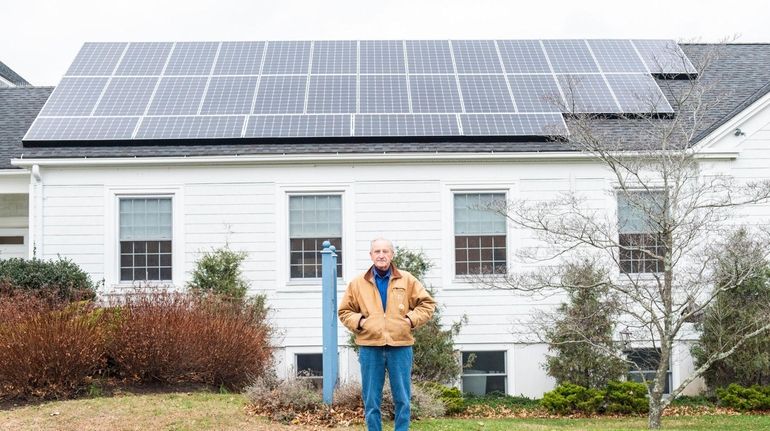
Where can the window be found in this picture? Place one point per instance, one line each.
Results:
(145, 239)
(480, 233)
(310, 366)
(484, 372)
(646, 362)
(638, 237)
(313, 220)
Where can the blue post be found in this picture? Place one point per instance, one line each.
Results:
(329, 299)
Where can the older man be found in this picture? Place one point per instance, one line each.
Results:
(382, 306)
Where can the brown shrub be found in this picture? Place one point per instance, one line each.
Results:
(48, 349)
(169, 337)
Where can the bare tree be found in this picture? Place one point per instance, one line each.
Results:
(661, 244)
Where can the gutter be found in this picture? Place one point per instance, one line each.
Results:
(337, 159)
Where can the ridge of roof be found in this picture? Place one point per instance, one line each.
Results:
(8, 73)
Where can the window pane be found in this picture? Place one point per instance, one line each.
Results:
(315, 216)
(475, 213)
(484, 372)
(484, 362)
(305, 256)
(310, 364)
(639, 212)
(144, 219)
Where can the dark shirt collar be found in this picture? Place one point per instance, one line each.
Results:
(380, 274)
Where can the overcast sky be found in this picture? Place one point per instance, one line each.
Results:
(40, 38)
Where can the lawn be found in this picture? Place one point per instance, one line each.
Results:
(203, 411)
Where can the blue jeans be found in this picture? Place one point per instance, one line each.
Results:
(398, 362)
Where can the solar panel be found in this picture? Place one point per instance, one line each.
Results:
(96, 59)
(286, 57)
(587, 94)
(126, 96)
(197, 127)
(617, 56)
(189, 90)
(476, 56)
(383, 94)
(570, 56)
(229, 95)
(486, 93)
(382, 56)
(664, 57)
(298, 126)
(82, 128)
(429, 56)
(407, 125)
(280, 95)
(74, 96)
(523, 56)
(239, 58)
(144, 58)
(513, 125)
(638, 93)
(178, 95)
(536, 93)
(192, 58)
(434, 94)
(334, 57)
(332, 94)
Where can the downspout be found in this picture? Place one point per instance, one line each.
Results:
(35, 213)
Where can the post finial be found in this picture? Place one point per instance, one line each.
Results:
(326, 245)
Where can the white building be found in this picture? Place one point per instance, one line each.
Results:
(147, 155)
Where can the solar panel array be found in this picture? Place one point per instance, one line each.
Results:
(283, 89)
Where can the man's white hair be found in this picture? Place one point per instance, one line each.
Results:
(390, 244)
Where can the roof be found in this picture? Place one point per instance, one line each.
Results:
(7, 73)
(18, 108)
(740, 75)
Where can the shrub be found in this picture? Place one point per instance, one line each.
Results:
(219, 272)
(174, 337)
(47, 350)
(283, 400)
(451, 397)
(581, 334)
(60, 278)
(569, 398)
(735, 312)
(752, 398)
(626, 398)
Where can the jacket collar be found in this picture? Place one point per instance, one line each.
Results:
(394, 273)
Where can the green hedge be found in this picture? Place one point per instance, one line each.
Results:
(754, 398)
(61, 278)
(616, 398)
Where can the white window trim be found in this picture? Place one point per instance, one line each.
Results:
(299, 285)
(449, 279)
(112, 236)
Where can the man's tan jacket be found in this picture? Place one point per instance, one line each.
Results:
(406, 298)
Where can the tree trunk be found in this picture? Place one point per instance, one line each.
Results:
(656, 412)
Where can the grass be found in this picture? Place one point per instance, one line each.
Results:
(204, 410)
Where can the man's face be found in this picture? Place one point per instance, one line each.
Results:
(381, 254)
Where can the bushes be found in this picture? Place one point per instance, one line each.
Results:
(219, 272)
(172, 337)
(569, 398)
(451, 397)
(626, 398)
(47, 351)
(59, 278)
(287, 400)
(617, 398)
(754, 398)
(55, 350)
